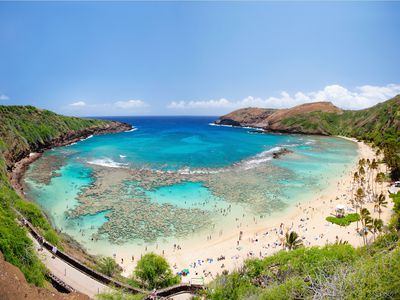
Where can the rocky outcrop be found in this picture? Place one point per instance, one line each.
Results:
(12, 155)
(278, 120)
(13, 286)
(17, 161)
(281, 152)
(251, 116)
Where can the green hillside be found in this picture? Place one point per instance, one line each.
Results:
(331, 272)
(24, 129)
(379, 124)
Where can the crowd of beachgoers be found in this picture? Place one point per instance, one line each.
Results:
(205, 258)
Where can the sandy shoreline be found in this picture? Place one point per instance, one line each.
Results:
(260, 238)
(265, 237)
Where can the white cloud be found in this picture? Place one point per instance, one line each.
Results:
(118, 108)
(130, 104)
(78, 104)
(358, 98)
(4, 97)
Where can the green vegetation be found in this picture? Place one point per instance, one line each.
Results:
(119, 295)
(153, 272)
(24, 129)
(395, 221)
(336, 271)
(379, 125)
(292, 240)
(345, 221)
(109, 267)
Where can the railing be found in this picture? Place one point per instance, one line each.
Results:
(166, 292)
(77, 264)
(60, 285)
(178, 289)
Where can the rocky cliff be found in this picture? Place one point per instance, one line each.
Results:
(26, 129)
(277, 119)
(13, 286)
(379, 124)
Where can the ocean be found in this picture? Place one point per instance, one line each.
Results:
(177, 179)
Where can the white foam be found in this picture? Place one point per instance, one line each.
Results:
(107, 162)
(252, 163)
(310, 142)
(132, 129)
(290, 145)
(89, 137)
(233, 126)
(122, 156)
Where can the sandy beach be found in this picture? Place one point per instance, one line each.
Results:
(206, 258)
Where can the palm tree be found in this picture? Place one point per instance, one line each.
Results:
(361, 162)
(366, 220)
(380, 178)
(376, 226)
(359, 197)
(368, 167)
(374, 167)
(361, 171)
(292, 240)
(109, 267)
(380, 202)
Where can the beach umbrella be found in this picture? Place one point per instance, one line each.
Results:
(340, 207)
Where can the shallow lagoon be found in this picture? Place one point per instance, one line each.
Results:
(175, 178)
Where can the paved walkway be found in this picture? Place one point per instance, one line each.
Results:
(70, 275)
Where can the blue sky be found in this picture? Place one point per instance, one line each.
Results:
(171, 58)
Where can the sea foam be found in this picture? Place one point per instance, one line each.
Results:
(132, 129)
(107, 162)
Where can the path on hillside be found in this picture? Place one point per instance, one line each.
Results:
(68, 274)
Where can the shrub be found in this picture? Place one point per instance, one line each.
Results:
(35, 216)
(18, 250)
(153, 271)
(109, 267)
(119, 295)
(345, 221)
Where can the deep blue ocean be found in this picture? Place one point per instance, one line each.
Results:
(176, 142)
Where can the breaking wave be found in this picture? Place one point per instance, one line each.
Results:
(107, 162)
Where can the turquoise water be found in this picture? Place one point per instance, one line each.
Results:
(176, 174)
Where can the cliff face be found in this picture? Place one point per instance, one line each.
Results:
(26, 129)
(276, 119)
(251, 116)
(13, 286)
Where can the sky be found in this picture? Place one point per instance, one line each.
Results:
(196, 58)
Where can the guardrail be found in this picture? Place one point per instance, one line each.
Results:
(77, 264)
(178, 289)
(166, 292)
(60, 285)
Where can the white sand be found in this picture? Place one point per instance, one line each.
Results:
(265, 237)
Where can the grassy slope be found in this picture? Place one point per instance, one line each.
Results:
(26, 128)
(22, 129)
(379, 124)
(335, 271)
(332, 272)
(358, 123)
